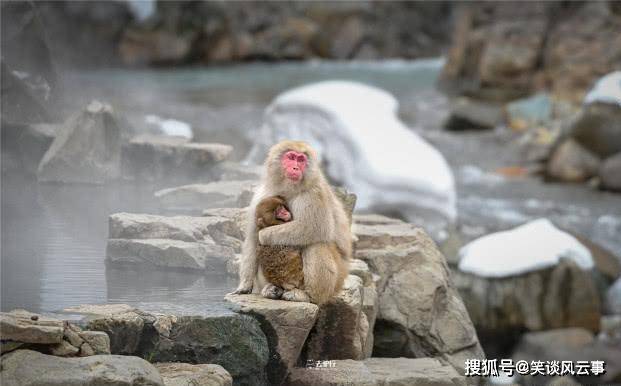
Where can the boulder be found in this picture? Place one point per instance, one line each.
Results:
(571, 162)
(168, 253)
(196, 336)
(97, 340)
(613, 298)
(286, 326)
(342, 327)
(610, 173)
(143, 47)
(25, 327)
(87, 148)
(571, 344)
(26, 367)
(504, 51)
(597, 128)
(208, 242)
(185, 374)
(347, 141)
(420, 311)
(376, 372)
(121, 323)
(379, 236)
(468, 114)
(170, 159)
(563, 295)
(220, 194)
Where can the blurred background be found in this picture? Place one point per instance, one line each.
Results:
(517, 106)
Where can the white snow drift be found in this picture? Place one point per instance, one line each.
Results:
(606, 90)
(364, 146)
(533, 246)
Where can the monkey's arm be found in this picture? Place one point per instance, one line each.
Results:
(248, 266)
(312, 224)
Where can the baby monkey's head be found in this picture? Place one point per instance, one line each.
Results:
(272, 211)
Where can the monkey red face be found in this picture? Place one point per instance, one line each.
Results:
(293, 164)
(282, 213)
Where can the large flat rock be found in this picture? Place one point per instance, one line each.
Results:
(26, 367)
(167, 158)
(26, 327)
(219, 194)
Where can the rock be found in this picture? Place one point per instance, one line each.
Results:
(168, 253)
(122, 324)
(564, 341)
(232, 341)
(610, 173)
(347, 199)
(468, 114)
(374, 219)
(597, 128)
(221, 194)
(571, 162)
(571, 344)
(529, 112)
(97, 340)
(376, 372)
(86, 350)
(563, 295)
(63, 349)
(71, 335)
(161, 158)
(201, 335)
(342, 328)
(25, 327)
(337, 126)
(143, 47)
(379, 236)
(183, 228)
(359, 268)
(9, 345)
(613, 298)
(286, 326)
(185, 374)
(610, 329)
(86, 149)
(414, 284)
(26, 367)
(508, 253)
(506, 50)
(234, 171)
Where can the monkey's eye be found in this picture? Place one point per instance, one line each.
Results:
(301, 158)
(291, 156)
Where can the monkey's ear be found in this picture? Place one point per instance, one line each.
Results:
(260, 222)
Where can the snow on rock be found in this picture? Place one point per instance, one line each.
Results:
(606, 90)
(530, 247)
(170, 127)
(363, 146)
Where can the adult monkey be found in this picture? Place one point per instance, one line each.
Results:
(319, 221)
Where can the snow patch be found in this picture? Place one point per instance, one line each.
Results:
(170, 127)
(530, 247)
(363, 146)
(606, 90)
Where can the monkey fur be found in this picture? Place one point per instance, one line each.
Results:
(281, 264)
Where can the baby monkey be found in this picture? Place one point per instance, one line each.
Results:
(281, 264)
